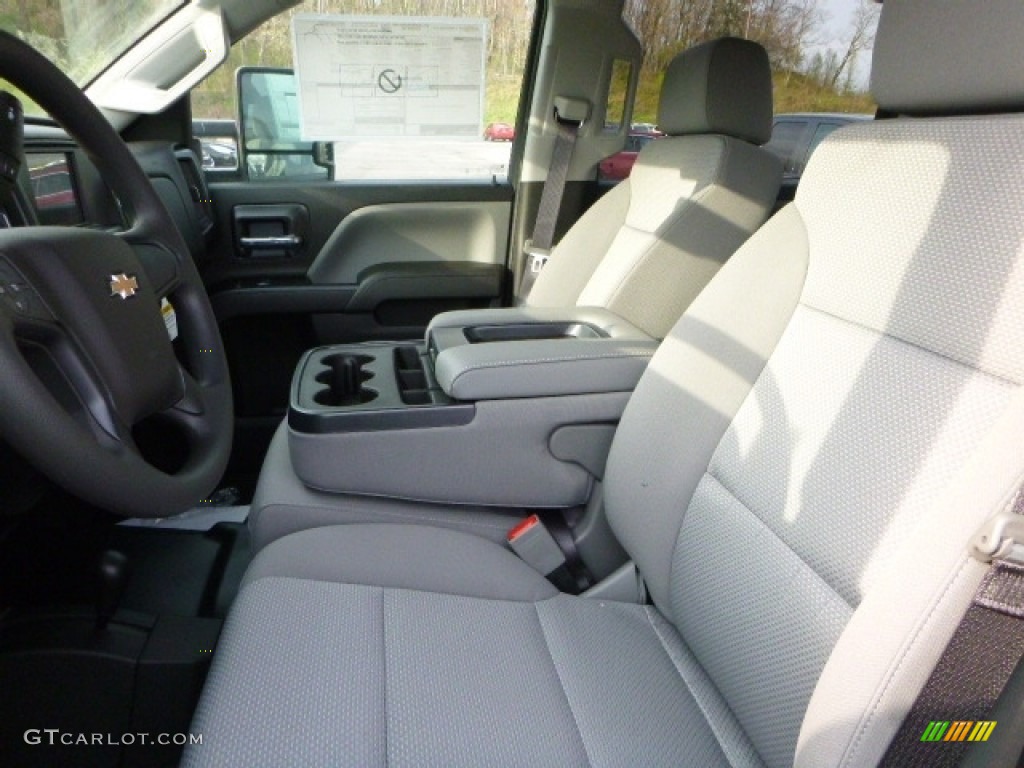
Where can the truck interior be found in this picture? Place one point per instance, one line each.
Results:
(319, 447)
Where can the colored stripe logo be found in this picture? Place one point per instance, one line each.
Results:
(958, 730)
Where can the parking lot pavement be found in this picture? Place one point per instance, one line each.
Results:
(389, 160)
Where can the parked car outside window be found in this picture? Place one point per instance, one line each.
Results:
(619, 165)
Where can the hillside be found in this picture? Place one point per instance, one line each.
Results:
(794, 92)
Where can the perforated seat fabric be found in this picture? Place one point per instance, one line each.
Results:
(648, 247)
(796, 477)
(314, 671)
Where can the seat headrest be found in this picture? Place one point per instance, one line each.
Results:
(722, 86)
(949, 57)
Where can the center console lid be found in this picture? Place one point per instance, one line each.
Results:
(524, 352)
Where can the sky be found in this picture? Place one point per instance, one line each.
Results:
(836, 31)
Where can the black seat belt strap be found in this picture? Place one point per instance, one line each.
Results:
(561, 529)
(570, 115)
(952, 711)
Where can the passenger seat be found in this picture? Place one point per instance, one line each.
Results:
(647, 248)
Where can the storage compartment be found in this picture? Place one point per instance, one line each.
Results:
(532, 332)
(364, 387)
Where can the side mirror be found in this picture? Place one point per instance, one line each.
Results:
(268, 120)
(323, 154)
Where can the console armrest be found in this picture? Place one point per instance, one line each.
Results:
(607, 322)
(503, 370)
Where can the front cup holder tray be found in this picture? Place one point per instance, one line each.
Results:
(366, 387)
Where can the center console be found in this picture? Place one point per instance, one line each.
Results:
(497, 407)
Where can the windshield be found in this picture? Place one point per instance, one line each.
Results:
(83, 37)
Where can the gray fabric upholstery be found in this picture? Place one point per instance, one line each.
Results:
(402, 557)
(727, 334)
(283, 504)
(648, 247)
(396, 677)
(581, 250)
(914, 74)
(893, 328)
(722, 86)
(674, 240)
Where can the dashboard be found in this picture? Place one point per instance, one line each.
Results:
(60, 185)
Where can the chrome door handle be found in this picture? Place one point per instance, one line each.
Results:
(281, 242)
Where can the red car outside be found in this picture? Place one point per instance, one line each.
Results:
(499, 132)
(618, 166)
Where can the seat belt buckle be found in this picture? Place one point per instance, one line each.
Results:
(535, 545)
(1000, 538)
(538, 256)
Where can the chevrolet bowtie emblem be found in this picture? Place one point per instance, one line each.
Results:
(123, 285)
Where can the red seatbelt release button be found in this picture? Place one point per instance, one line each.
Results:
(535, 545)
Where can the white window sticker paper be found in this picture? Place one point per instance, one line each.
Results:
(389, 76)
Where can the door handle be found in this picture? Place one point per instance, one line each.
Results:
(272, 231)
(279, 242)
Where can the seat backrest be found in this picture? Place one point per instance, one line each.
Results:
(649, 246)
(803, 463)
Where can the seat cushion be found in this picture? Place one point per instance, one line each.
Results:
(419, 557)
(315, 668)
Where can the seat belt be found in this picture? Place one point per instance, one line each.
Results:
(547, 545)
(570, 115)
(953, 708)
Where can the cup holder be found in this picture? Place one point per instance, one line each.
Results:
(344, 378)
(341, 359)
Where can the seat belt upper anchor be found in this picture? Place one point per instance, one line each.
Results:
(573, 111)
(1000, 538)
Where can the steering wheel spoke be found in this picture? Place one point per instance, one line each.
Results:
(20, 302)
(160, 264)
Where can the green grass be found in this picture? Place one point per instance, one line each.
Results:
(502, 100)
(793, 92)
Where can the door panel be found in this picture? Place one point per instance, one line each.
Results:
(405, 233)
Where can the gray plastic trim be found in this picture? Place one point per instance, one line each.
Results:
(584, 444)
(407, 233)
(622, 586)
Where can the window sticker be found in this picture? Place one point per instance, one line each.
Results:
(389, 76)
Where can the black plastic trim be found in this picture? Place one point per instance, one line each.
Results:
(388, 400)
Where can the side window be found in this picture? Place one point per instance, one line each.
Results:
(218, 140)
(786, 136)
(53, 186)
(373, 95)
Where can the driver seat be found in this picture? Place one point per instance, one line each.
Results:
(796, 478)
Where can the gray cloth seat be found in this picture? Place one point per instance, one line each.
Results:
(796, 478)
(648, 247)
(382, 644)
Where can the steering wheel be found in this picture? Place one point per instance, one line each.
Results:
(85, 355)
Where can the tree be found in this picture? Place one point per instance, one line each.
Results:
(862, 38)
